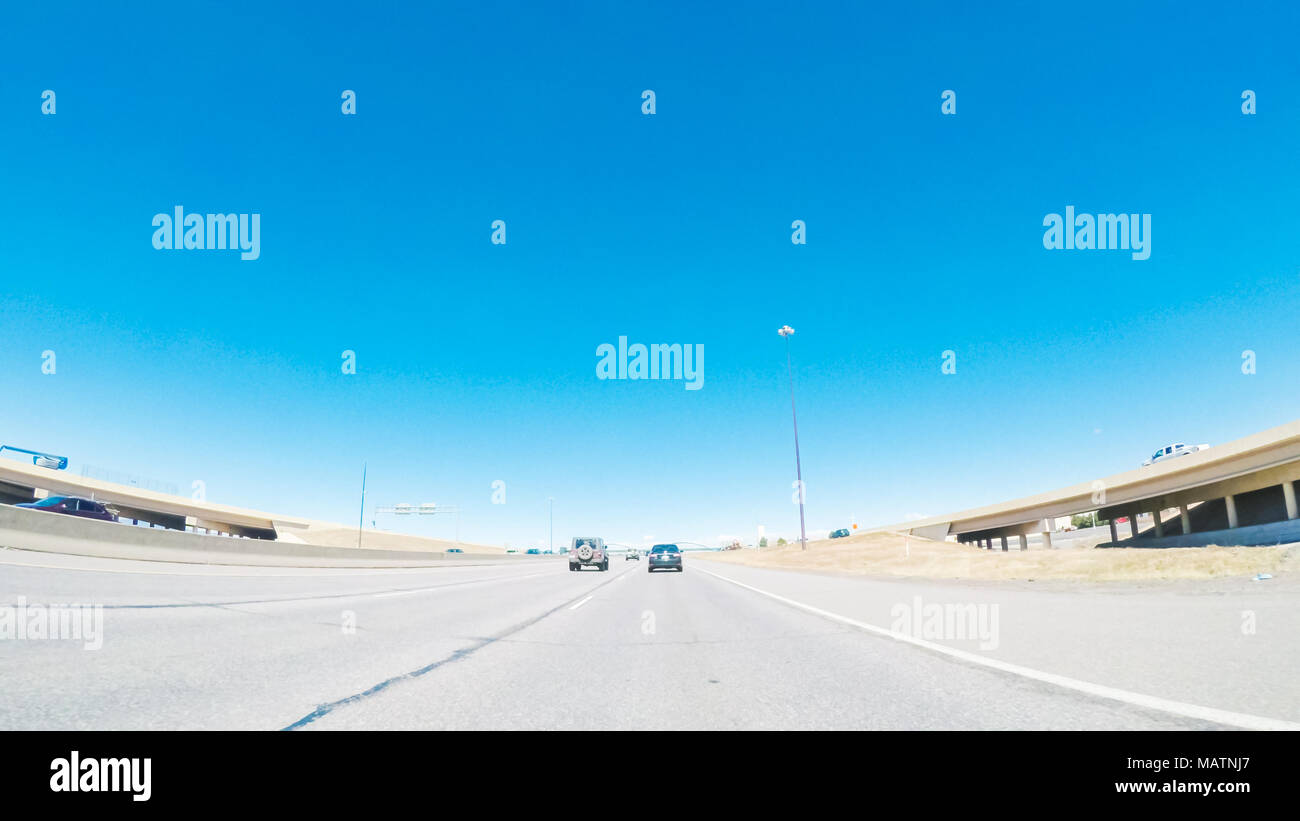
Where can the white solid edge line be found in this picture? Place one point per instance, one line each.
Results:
(395, 593)
(580, 604)
(1244, 720)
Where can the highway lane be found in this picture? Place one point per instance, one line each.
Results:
(250, 649)
(519, 646)
(1227, 643)
(689, 651)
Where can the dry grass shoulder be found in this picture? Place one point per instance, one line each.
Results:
(890, 554)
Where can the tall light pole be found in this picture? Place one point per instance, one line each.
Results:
(550, 502)
(787, 332)
(361, 521)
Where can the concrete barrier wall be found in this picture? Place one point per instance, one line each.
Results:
(26, 529)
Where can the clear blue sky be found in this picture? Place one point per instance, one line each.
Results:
(477, 362)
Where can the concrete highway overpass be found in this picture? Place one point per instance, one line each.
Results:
(1239, 492)
(21, 482)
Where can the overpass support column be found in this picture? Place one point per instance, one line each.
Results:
(1231, 504)
(1186, 518)
(1114, 531)
(1160, 526)
(1288, 490)
(1024, 542)
(1047, 539)
(1004, 544)
(1133, 525)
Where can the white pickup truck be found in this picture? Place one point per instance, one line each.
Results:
(1171, 451)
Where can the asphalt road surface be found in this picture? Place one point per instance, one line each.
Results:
(530, 645)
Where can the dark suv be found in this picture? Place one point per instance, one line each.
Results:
(73, 506)
(665, 557)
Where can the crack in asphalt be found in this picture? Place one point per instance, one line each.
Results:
(464, 652)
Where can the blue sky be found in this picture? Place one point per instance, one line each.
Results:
(476, 362)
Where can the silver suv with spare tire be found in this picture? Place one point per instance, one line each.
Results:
(588, 551)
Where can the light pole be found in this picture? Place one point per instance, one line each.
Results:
(361, 520)
(787, 332)
(550, 503)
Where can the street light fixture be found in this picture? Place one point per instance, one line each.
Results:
(44, 460)
(786, 331)
(361, 519)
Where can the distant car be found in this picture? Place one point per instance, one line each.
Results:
(588, 551)
(532, 551)
(454, 550)
(73, 506)
(842, 533)
(1172, 451)
(665, 557)
(632, 554)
